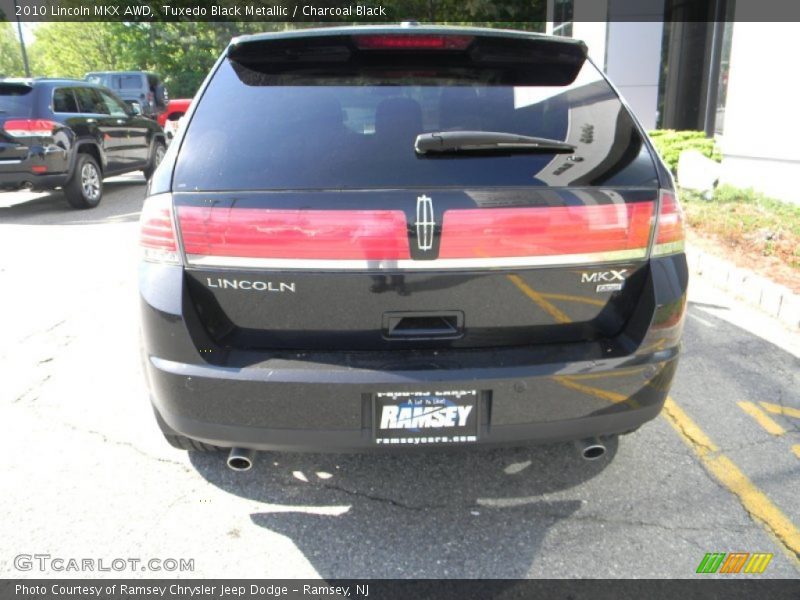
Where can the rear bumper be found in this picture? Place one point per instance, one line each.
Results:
(324, 401)
(18, 174)
(10, 182)
(319, 408)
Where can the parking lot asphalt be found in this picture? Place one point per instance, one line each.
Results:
(86, 474)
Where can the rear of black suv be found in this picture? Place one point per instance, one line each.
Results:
(33, 150)
(69, 134)
(392, 237)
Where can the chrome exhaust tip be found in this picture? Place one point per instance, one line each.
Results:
(241, 459)
(591, 448)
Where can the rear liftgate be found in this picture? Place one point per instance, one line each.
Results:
(508, 251)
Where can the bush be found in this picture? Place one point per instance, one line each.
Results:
(670, 143)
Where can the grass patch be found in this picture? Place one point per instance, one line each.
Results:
(747, 221)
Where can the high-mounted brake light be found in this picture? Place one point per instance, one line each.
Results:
(156, 232)
(670, 229)
(30, 127)
(413, 42)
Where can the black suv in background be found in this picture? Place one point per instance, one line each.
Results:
(71, 134)
(405, 237)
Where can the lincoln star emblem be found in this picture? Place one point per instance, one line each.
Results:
(425, 223)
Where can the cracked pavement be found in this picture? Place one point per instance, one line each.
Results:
(86, 473)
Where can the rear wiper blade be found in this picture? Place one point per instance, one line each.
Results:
(447, 142)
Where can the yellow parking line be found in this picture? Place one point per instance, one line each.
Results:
(769, 425)
(754, 501)
(546, 306)
(777, 409)
(796, 450)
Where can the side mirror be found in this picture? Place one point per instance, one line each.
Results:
(136, 108)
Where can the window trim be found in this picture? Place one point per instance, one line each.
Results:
(80, 105)
(74, 97)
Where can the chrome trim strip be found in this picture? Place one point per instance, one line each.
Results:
(669, 248)
(198, 260)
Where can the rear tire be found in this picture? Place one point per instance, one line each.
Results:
(156, 156)
(182, 442)
(85, 187)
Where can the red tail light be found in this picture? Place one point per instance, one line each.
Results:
(670, 232)
(156, 232)
(30, 127)
(300, 234)
(618, 231)
(413, 42)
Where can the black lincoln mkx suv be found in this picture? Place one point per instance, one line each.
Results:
(405, 237)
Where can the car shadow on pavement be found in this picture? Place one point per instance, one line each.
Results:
(51, 208)
(431, 514)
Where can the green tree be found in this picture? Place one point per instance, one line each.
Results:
(72, 49)
(10, 54)
(182, 53)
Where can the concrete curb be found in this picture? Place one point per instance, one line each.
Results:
(776, 300)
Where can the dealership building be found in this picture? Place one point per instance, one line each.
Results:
(701, 66)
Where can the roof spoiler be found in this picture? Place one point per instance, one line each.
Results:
(515, 58)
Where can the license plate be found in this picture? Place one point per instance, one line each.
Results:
(431, 417)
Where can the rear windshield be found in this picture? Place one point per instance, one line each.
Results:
(16, 100)
(251, 131)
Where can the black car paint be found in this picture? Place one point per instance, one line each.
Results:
(234, 391)
(120, 143)
(316, 400)
(345, 310)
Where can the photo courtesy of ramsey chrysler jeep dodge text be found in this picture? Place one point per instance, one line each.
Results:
(408, 236)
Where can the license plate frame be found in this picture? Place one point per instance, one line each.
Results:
(445, 417)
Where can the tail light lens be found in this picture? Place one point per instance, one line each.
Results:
(670, 227)
(301, 234)
(156, 231)
(413, 42)
(30, 127)
(618, 229)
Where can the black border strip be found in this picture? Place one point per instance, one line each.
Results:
(733, 588)
(507, 13)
